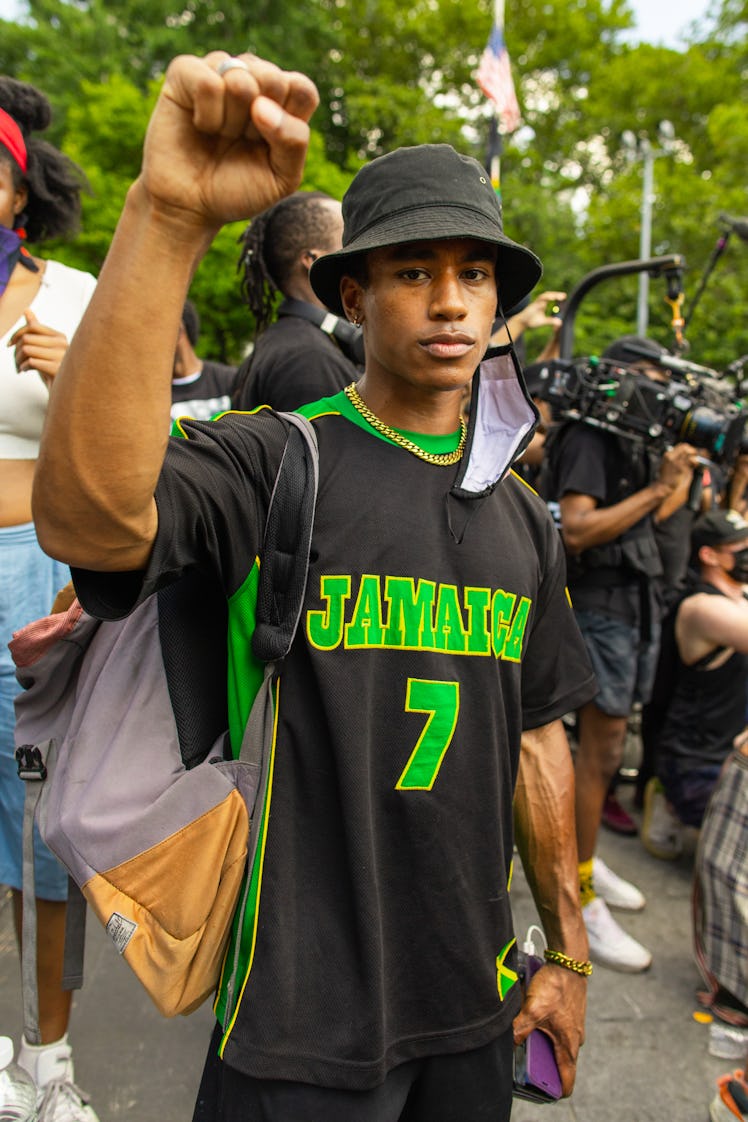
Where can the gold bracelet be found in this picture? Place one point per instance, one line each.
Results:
(572, 964)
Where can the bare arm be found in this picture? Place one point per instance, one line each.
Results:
(736, 490)
(217, 149)
(584, 524)
(705, 622)
(546, 839)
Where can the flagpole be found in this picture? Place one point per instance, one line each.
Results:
(494, 77)
(496, 141)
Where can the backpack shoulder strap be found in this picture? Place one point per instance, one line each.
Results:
(286, 544)
(192, 613)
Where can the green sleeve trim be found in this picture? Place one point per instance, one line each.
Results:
(245, 671)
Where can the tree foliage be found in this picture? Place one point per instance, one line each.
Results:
(392, 74)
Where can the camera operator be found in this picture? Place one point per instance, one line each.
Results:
(611, 493)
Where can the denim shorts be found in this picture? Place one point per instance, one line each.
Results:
(623, 662)
(29, 582)
(688, 789)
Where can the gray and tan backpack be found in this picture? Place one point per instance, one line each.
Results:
(121, 738)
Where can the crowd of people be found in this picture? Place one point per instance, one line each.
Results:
(393, 323)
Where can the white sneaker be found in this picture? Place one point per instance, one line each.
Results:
(51, 1068)
(64, 1102)
(609, 943)
(662, 831)
(729, 1042)
(614, 890)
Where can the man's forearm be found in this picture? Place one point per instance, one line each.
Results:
(544, 830)
(105, 435)
(601, 525)
(224, 142)
(545, 834)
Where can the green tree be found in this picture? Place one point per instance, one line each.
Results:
(104, 135)
(702, 178)
(390, 74)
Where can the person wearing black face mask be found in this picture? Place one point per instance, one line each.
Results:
(708, 633)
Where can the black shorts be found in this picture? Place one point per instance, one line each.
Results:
(473, 1086)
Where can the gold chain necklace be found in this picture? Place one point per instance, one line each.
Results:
(442, 458)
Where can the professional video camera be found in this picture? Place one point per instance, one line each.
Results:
(694, 404)
(609, 394)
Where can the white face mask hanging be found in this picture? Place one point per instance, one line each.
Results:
(502, 421)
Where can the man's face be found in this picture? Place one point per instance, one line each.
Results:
(649, 370)
(733, 559)
(427, 309)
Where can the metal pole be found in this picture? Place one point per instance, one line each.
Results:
(645, 239)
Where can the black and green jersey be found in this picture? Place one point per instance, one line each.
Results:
(435, 628)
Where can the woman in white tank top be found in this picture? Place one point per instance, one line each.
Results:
(41, 303)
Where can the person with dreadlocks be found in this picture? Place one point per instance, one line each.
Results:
(307, 352)
(41, 302)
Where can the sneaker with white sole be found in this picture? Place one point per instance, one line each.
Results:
(614, 890)
(609, 944)
(731, 1100)
(662, 831)
(728, 1042)
(58, 1097)
(64, 1102)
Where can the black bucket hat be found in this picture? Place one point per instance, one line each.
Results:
(425, 193)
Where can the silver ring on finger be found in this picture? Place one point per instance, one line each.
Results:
(231, 64)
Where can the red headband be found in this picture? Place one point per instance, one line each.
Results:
(12, 138)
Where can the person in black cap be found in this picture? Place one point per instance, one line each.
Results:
(611, 492)
(376, 958)
(708, 641)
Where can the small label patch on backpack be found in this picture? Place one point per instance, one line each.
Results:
(120, 930)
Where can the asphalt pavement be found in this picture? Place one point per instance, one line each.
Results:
(645, 1060)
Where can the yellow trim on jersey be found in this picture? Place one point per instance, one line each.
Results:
(266, 817)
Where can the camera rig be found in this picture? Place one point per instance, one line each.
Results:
(694, 404)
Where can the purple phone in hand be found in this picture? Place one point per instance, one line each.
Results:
(536, 1075)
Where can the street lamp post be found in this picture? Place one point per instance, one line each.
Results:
(641, 148)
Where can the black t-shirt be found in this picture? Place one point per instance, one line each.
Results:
(434, 630)
(673, 537)
(206, 395)
(585, 460)
(293, 362)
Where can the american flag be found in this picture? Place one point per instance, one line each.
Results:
(494, 76)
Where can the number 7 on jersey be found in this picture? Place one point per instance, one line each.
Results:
(441, 701)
